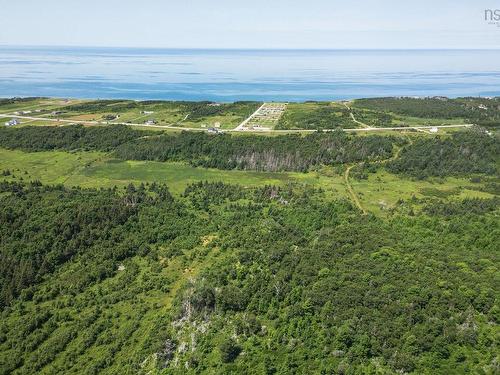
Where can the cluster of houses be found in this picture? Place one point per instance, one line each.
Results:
(13, 122)
(215, 129)
(21, 113)
(267, 116)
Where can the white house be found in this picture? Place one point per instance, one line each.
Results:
(13, 122)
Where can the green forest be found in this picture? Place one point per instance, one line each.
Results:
(480, 111)
(224, 278)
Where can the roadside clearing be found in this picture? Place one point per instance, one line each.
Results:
(239, 128)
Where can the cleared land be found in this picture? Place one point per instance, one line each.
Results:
(316, 115)
(95, 169)
(378, 193)
(182, 115)
(383, 191)
(265, 118)
(357, 116)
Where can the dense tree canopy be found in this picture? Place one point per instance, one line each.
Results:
(289, 153)
(46, 138)
(474, 151)
(479, 111)
(290, 283)
(281, 153)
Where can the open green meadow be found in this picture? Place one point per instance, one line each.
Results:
(418, 121)
(379, 193)
(96, 170)
(383, 191)
(37, 106)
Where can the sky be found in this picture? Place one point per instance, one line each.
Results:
(328, 24)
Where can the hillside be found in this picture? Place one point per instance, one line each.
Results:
(137, 252)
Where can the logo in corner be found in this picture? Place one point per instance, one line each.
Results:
(492, 16)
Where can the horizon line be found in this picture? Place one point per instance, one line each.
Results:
(249, 49)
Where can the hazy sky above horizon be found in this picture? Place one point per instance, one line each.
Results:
(250, 24)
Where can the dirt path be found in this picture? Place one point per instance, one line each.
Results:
(81, 167)
(351, 191)
(354, 118)
(347, 172)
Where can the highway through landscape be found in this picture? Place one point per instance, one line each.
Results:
(239, 128)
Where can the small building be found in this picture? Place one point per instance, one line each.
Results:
(110, 117)
(482, 106)
(13, 122)
(147, 112)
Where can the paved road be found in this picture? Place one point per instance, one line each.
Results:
(237, 129)
(87, 122)
(377, 129)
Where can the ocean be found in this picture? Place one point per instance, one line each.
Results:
(231, 75)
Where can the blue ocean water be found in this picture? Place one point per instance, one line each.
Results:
(229, 75)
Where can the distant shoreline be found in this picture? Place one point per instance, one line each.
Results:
(257, 100)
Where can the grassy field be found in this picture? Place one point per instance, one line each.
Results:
(42, 104)
(417, 121)
(181, 114)
(382, 190)
(49, 167)
(94, 169)
(377, 194)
